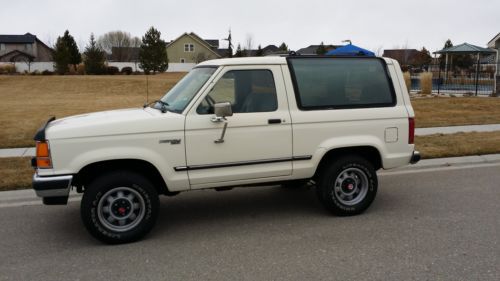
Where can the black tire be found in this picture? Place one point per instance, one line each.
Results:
(103, 207)
(347, 186)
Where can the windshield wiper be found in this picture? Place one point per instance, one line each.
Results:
(163, 105)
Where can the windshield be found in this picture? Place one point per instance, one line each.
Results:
(181, 94)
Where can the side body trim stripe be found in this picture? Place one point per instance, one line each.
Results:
(242, 163)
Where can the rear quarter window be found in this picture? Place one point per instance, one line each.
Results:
(338, 83)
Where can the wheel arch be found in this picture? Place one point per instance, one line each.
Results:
(370, 153)
(92, 170)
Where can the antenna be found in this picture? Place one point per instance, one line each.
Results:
(147, 89)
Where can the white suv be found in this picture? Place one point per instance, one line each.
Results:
(331, 121)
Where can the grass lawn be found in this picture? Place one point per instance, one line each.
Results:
(459, 144)
(16, 173)
(439, 112)
(28, 101)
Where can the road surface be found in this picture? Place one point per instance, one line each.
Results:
(433, 224)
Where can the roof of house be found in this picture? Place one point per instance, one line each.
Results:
(16, 54)
(212, 42)
(199, 40)
(26, 38)
(399, 52)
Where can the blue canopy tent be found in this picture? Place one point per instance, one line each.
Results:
(350, 50)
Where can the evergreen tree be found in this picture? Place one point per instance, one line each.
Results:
(259, 52)
(239, 52)
(94, 57)
(74, 54)
(153, 53)
(321, 50)
(283, 47)
(61, 57)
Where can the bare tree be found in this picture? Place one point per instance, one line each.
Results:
(120, 39)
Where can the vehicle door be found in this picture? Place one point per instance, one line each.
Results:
(257, 142)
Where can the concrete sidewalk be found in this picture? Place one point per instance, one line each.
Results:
(457, 129)
(30, 151)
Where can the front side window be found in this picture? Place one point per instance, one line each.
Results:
(183, 92)
(329, 83)
(246, 90)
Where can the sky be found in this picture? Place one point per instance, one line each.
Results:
(374, 25)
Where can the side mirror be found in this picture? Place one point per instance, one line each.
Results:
(223, 109)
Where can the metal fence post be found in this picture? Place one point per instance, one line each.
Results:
(477, 73)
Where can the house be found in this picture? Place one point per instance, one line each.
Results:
(403, 56)
(24, 48)
(191, 48)
(495, 44)
(266, 51)
(311, 50)
(124, 54)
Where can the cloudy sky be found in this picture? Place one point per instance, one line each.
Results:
(374, 25)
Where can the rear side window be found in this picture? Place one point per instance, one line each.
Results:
(329, 83)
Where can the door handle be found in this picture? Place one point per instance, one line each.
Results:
(274, 121)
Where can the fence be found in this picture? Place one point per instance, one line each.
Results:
(22, 67)
(477, 80)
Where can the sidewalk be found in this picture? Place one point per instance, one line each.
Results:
(30, 151)
(457, 129)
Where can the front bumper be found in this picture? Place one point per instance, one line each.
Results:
(415, 157)
(53, 189)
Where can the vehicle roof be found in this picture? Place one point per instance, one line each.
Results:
(256, 60)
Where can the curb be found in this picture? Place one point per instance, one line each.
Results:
(450, 161)
(26, 197)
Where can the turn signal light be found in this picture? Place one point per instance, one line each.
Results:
(43, 160)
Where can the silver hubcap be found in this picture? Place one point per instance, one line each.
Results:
(351, 186)
(121, 209)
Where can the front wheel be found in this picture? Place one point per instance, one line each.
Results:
(348, 186)
(119, 207)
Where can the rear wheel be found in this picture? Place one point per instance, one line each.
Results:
(347, 186)
(119, 207)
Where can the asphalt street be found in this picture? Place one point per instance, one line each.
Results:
(433, 224)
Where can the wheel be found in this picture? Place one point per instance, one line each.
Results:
(348, 186)
(119, 207)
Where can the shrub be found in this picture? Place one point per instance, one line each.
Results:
(127, 70)
(426, 83)
(36, 72)
(112, 70)
(407, 78)
(7, 69)
(47, 72)
(80, 69)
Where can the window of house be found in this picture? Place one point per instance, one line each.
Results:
(28, 47)
(183, 60)
(246, 90)
(2, 46)
(188, 47)
(337, 83)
